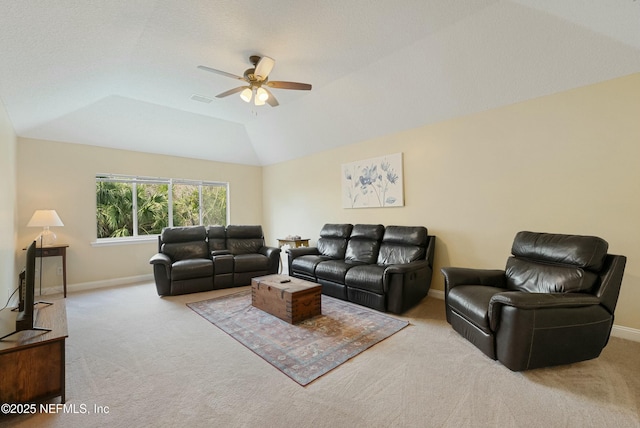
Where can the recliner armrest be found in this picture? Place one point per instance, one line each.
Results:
(268, 251)
(219, 253)
(302, 251)
(162, 259)
(406, 267)
(454, 276)
(522, 300)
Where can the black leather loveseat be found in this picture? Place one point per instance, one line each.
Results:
(387, 269)
(194, 258)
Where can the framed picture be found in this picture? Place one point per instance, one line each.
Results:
(375, 182)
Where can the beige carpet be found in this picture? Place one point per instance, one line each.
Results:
(155, 363)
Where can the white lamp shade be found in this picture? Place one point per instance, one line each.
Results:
(262, 95)
(246, 94)
(45, 218)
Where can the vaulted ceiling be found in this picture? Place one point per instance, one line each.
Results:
(122, 73)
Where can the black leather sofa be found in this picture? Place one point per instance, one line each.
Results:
(552, 304)
(194, 258)
(387, 269)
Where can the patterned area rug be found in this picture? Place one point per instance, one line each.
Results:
(307, 350)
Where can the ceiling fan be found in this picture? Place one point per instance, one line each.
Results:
(257, 78)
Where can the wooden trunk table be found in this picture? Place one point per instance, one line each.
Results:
(290, 299)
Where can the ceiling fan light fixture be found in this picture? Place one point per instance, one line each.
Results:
(246, 95)
(257, 101)
(262, 95)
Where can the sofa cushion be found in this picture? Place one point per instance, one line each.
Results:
(334, 270)
(217, 238)
(191, 268)
(402, 244)
(244, 239)
(364, 243)
(587, 252)
(533, 277)
(472, 303)
(333, 240)
(366, 277)
(186, 250)
(307, 264)
(183, 234)
(250, 262)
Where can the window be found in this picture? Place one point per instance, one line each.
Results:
(129, 206)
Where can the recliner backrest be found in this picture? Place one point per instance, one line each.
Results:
(555, 263)
(364, 243)
(180, 243)
(402, 244)
(244, 239)
(217, 238)
(333, 240)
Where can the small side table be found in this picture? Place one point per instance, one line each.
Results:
(294, 243)
(57, 250)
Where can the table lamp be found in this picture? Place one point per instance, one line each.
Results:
(45, 219)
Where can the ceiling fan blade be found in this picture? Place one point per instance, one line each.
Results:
(224, 73)
(264, 67)
(271, 100)
(231, 91)
(289, 85)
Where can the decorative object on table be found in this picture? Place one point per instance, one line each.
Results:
(45, 219)
(375, 182)
(293, 241)
(303, 351)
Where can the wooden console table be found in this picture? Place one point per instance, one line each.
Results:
(33, 362)
(59, 250)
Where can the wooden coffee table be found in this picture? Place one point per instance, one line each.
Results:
(288, 298)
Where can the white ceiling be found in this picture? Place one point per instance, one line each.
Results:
(121, 73)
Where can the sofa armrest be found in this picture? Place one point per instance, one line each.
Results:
(406, 267)
(531, 301)
(302, 251)
(454, 276)
(162, 273)
(220, 253)
(162, 259)
(273, 254)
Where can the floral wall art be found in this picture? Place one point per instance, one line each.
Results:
(375, 182)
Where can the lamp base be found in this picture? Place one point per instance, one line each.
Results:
(46, 239)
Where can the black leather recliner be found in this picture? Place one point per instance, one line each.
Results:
(553, 304)
(251, 257)
(182, 264)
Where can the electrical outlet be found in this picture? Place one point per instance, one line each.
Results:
(59, 272)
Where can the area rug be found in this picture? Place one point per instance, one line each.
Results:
(309, 349)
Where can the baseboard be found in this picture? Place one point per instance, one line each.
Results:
(618, 331)
(623, 332)
(83, 286)
(436, 294)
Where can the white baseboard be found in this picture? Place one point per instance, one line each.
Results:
(82, 286)
(618, 331)
(623, 332)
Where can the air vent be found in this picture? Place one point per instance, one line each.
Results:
(202, 99)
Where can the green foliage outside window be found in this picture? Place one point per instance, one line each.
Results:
(115, 206)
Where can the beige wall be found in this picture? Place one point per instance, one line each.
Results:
(565, 163)
(61, 176)
(8, 277)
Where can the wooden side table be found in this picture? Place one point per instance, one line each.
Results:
(294, 243)
(57, 250)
